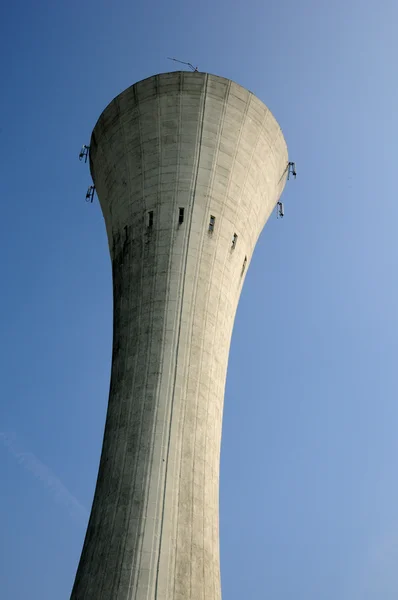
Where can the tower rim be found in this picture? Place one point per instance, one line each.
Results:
(187, 74)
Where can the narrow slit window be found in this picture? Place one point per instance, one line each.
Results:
(181, 216)
(150, 218)
(234, 240)
(244, 265)
(211, 224)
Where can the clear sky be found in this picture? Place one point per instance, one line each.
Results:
(309, 483)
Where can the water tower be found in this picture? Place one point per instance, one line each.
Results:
(187, 167)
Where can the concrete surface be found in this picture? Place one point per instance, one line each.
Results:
(202, 143)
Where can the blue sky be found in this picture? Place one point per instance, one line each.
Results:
(309, 485)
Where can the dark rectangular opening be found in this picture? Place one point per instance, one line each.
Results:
(211, 224)
(234, 240)
(244, 265)
(181, 216)
(150, 218)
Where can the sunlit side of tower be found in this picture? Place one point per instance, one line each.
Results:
(187, 167)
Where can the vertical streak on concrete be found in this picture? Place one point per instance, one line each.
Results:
(205, 144)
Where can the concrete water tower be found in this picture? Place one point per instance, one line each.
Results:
(187, 167)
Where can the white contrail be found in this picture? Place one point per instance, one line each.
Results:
(32, 464)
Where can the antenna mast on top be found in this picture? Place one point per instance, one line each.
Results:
(184, 63)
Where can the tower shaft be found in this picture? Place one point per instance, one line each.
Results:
(187, 168)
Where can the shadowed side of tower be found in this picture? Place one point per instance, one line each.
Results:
(188, 168)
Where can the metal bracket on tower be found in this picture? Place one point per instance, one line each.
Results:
(84, 153)
(195, 69)
(291, 170)
(90, 193)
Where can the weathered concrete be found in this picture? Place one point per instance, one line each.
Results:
(204, 144)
